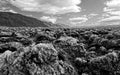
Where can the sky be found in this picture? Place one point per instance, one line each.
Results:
(70, 12)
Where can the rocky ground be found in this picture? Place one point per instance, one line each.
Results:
(61, 51)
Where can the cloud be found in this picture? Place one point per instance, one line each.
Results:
(2, 3)
(12, 11)
(78, 20)
(111, 18)
(92, 15)
(104, 15)
(113, 3)
(48, 19)
(112, 7)
(4, 8)
(7, 9)
(76, 23)
(48, 6)
(112, 11)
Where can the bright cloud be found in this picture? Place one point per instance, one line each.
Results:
(12, 11)
(112, 11)
(48, 19)
(113, 3)
(78, 20)
(113, 7)
(48, 6)
(92, 15)
(111, 18)
(115, 13)
(75, 23)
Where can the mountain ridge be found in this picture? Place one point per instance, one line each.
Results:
(9, 19)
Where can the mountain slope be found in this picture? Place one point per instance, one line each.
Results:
(17, 20)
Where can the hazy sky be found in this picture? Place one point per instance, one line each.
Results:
(70, 12)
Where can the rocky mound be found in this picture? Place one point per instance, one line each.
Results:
(40, 59)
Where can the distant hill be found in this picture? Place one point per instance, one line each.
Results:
(17, 20)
